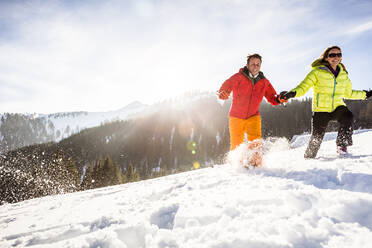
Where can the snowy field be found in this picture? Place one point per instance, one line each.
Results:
(290, 202)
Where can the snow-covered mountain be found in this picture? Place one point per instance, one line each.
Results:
(66, 123)
(289, 202)
(19, 130)
(41, 128)
(72, 122)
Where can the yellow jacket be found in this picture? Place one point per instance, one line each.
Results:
(329, 92)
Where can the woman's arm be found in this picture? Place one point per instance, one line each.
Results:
(306, 84)
(354, 94)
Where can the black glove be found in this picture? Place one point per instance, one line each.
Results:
(368, 93)
(280, 100)
(285, 95)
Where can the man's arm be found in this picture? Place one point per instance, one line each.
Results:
(271, 95)
(226, 88)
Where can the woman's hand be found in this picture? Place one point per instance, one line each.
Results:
(285, 95)
(368, 93)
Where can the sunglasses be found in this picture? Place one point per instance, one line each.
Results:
(333, 55)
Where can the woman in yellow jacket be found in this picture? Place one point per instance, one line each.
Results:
(332, 85)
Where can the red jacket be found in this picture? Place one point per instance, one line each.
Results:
(247, 96)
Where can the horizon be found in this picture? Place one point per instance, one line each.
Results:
(65, 56)
(183, 95)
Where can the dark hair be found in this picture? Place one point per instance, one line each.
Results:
(324, 55)
(326, 52)
(256, 56)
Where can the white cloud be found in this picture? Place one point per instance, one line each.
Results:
(361, 28)
(101, 56)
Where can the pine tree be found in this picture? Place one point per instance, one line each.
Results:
(107, 172)
(131, 174)
(119, 177)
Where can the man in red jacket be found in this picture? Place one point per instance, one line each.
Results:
(248, 86)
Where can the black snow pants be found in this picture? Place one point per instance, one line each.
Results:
(319, 123)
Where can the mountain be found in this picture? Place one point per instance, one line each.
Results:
(67, 123)
(19, 130)
(76, 121)
(289, 202)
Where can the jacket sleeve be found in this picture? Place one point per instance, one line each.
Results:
(228, 84)
(306, 84)
(354, 94)
(270, 94)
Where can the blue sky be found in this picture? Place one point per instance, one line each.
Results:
(101, 55)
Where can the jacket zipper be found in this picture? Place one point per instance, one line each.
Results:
(334, 90)
(317, 99)
(250, 100)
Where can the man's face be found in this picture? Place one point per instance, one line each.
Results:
(254, 66)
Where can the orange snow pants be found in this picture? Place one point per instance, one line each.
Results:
(252, 127)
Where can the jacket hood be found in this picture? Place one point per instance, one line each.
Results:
(319, 62)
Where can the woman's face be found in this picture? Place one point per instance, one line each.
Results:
(334, 57)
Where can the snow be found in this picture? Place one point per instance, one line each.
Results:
(289, 202)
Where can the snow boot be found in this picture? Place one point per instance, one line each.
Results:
(255, 157)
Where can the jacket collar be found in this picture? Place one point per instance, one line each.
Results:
(325, 68)
(246, 73)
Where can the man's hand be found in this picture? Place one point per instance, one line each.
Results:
(285, 95)
(280, 100)
(368, 93)
(223, 95)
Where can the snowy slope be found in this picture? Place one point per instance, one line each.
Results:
(290, 202)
